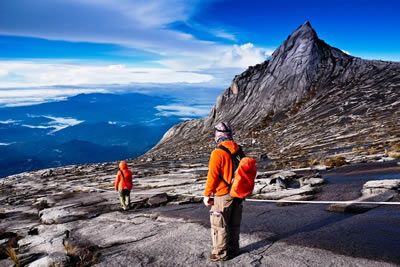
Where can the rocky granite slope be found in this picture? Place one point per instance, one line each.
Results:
(70, 216)
(308, 99)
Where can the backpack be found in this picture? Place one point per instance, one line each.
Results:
(244, 172)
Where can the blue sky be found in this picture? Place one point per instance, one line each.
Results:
(51, 49)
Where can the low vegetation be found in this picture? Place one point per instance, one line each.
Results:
(12, 254)
(82, 255)
(336, 161)
(395, 147)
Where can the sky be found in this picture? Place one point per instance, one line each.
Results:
(52, 49)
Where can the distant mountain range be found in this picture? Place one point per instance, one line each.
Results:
(308, 98)
(85, 128)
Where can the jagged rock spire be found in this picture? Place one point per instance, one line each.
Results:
(299, 77)
(275, 85)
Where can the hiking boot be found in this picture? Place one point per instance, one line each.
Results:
(233, 253)
(214, 257)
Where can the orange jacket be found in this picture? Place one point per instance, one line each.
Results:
(220, 165)
(120, 182)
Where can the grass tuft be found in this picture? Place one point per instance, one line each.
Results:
(395, 147)
(334, 162)
(70, 249)
(372, 150)
(13, 256)
(394, 155)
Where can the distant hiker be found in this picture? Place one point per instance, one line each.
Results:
(226, 211)
(123, 184)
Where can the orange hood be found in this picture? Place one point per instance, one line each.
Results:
(123, 165)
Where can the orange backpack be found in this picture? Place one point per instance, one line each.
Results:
(243, 176)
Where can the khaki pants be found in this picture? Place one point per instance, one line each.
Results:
(225, 217)
(124, 198)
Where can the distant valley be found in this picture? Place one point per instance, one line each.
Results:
(86, 128)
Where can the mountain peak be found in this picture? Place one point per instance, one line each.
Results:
(306, 24)
(304, 31)
(303, 38)
(303, 83)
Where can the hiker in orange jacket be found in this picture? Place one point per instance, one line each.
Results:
(123, 184)
(226, 211)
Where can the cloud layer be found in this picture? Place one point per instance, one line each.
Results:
(138, 25)
(183, 111)
(25, 97)
(34, 74)
(55, 123)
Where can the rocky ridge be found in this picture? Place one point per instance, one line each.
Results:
(308, 102)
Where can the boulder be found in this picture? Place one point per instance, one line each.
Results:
(285, 175)
(280, 184)
(54, 259)
(372, 191)
(61, 214)
(305, 190)
(47, 173)
(158, 199)
(359, 207)
(380, 186)
(313, 181)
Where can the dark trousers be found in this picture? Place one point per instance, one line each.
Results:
(124, 198)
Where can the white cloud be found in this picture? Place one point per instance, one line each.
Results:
(35, 74)
(225, 35)
(186, 111)
(3, 72)
(36, 126)
(225, 57)
(24, 97)
(242, 56)
(141, 24)
(6, 144)
(137, 24)
(9, 121)
(59, 123)
(56, 123)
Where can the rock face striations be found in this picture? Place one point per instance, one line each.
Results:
(308, 95)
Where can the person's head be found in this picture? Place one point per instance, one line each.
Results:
(223, 132)
(123, 165)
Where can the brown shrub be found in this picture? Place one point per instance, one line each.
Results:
(372, 150)
(395, 147)
(394, 154)
(13, 256)
(334, 162)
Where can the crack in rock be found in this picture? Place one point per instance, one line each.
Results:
(128, 242)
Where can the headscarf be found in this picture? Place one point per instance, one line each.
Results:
(223, 132)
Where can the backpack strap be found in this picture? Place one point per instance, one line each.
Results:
(239, 154)
(123, 176)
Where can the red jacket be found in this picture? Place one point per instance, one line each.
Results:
(125, 181)
(220, 165)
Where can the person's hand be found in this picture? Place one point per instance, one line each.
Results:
(205, 201)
